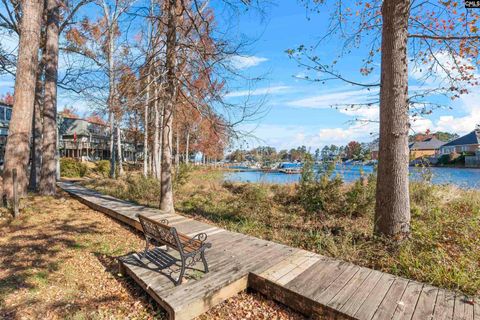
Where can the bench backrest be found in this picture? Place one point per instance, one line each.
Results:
(161, 232)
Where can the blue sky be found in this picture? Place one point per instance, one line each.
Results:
(300, 112)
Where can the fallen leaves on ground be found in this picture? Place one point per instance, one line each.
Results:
(59, 261)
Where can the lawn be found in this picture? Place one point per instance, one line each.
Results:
(59, 262)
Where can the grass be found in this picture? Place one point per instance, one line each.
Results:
(58, 261)
(444, 248)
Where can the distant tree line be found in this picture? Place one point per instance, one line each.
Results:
(353, 150)
(266, 154)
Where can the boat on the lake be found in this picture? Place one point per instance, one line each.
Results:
(290, 168)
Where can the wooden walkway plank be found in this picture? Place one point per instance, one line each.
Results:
(321, 274)
(353, 303)
(406, 307)
(375, 298)
(389, 304)
(459, 308)
(323, 296)
(294, 273)
(469, 309)
(426, 303)
(341, 297)
(299, 258)
(444, 305)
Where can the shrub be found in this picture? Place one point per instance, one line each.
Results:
(318, 192)
(182, 175)
(145, 189)
(250, 199)
(72, 168)
(102, 167)
(360, 198)
(444, 159)
(453, 158)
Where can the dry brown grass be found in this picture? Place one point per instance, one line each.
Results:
(58, 262)
(443, 250)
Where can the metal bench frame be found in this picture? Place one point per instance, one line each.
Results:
(191, 250)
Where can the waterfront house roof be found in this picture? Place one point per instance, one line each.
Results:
(81, 127)
(431, 143)
(470, 139)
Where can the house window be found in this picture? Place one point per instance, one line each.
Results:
(2, 113)
(448, 150)
(9, 114)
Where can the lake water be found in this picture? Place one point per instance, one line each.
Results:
(464, 178)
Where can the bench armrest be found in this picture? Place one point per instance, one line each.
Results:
(202, 237)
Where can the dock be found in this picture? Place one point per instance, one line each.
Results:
(317, 286)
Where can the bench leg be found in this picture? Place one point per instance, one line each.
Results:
(147, 244)
(205, 265)
(182, 272)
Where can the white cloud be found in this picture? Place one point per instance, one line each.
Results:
(245, 62)
(258, 92)
(463, 120)
(344, 97)
(364, 113)
(288, 136)
(421, 124)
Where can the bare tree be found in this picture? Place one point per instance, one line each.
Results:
(98, 42)
(49, 150)
(17, 150)
(166, 196)
(392, 214)
(37, 124)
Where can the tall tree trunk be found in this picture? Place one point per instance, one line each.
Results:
(112, 146)
(392, 213)
(145, 124)
(119, 151)
(150, 162)
(166, 200)
(57, 157)
(111, 94)
(187, 146)
(17, 150)
(177, 149)
(48, 174)
(156, 135)
(37, 124)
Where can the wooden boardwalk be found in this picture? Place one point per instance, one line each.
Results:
(315, 285)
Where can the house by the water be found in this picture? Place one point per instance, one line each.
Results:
(469, 145)
(429, 147)
(432, 149)
(5, 116)
(90, 139)
(84, 139)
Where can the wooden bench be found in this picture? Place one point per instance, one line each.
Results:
(191, 249)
